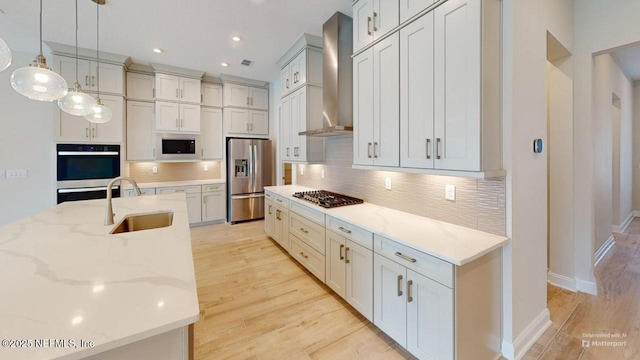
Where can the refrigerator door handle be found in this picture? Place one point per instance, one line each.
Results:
(251, 160)
(247, 196)
(255, 165)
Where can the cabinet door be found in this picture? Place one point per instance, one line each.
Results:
(259, 98)
(457, 85)
(111, 78)
(112, 131)
(213, 205)
(281, 227)
(140, 86)
(389, 299)
(416, 102)
(73, 128)
(211, 95)
(409, 8)
(362, 24)
(259, 122)
(359, 278)
(285, 129)
(190, 90)
(363, 107)
(301, 61)
(285, 83)
(236, 120)
(236, 95)
(335, 276)
(211, 133)
(269, 216)
(140, 131)
(430, 318)
(386, 17)
(193, 208)
(167, 116)
(189, 118)
(386, 114)
(67, 68)
(167, 87)
(296, 104)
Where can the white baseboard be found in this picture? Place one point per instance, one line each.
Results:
(636, 213)
(625, 222)
(562, 281)
(588, 287)
(602, 251)
(528, 337)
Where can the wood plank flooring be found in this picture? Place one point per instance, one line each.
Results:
(256, 302)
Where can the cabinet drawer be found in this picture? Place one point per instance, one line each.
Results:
(213, 187)
(309, 258)
(308, 231)
(280, 200)
(351, 232)
(424, 264)
(176, 189)
(309, 213)
(147, 191)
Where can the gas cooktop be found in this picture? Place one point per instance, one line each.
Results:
(327, 199)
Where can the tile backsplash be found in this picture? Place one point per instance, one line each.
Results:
(142, 172)
(479, 204)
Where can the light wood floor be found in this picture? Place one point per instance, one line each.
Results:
(256, 302)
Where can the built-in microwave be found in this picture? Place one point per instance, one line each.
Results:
(178, 147)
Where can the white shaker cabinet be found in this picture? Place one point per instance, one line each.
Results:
(211, 133)
(389, 302)
(243, 121)
(269, 214)
(301, 111)
(72, 128)
(140, 87)
(213, 202)
(140, 131)
(304, 69)
(176, 117)
(176, 88)
(276, 219)
(242, 96)
(409, 8)
(194, 199)
(111, 76)
(211, 95)
(190, 90)
(372, 19)
(376, 108)
(285, 129)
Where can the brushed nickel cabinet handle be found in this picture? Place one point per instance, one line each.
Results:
(201, 152)
(93, 133)
(287, 83)
(375, 16)
(405, 257)
(181, 123)
(346, 255)
(154, 152)
(251, 101)
(341, 248)
(154, 93)
(269, 209)
(375, 152)
(437, 148)
(278, 214)
(409, 292)
(181, 93)
(86, 132)
(369, 150)
(344, 230)
(399, 285)
(428, 145)
(201, 98)
(176, 93)
(287, 151)
(304, 230)
(177, 123)
(369, 25)
(86, 80)
(303, 255)
(93, 80)
(247, 100)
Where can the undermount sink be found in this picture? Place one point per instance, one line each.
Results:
(138, 222)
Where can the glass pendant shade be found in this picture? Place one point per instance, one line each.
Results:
(5, 55)
(77, 102)
(38, 82)
(100, 114)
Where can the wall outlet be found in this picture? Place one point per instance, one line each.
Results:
(322, 173)
(387, 183)
(301, 170)
(205, 168)
(2, 174)
(450, 192)
(154, 169)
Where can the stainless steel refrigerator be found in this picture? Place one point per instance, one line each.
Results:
(249, 170)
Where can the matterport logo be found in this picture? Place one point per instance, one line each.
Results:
(604, 340)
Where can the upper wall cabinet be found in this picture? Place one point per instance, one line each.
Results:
(409, 8)
(249, 97)
(140, 87)
(111, 76)
(305, 68)
(372, 19)
(176, 88)
(211, 95)
(76, 129)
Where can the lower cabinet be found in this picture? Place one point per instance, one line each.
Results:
(145, 191)
(214, 201)
(194, 196)
(281, 223)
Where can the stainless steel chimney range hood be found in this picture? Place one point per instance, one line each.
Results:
(337, 78)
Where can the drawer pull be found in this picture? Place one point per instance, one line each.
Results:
(304, 231)
(278, 200)
(405, 257)
(344, 230)
(278, 212)
(341, 256)
(346, 255)
(399, 285)
(303, 255)
(409, 295)
(269, 209)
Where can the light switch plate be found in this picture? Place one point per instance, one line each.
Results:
(154, 169)
(450, 192)
(387, 183)
(301, 170)
(206, 168)
(322, 173)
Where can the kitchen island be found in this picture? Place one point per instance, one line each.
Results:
(72, 290)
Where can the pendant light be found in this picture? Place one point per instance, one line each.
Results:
(100, 113)
(77, 102)
(37, 81)
(5, 55)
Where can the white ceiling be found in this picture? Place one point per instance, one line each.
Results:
(629, 60)
(194, 34)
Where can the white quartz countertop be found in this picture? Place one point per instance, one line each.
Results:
(161, 184)
(452, 243)
(63, 276)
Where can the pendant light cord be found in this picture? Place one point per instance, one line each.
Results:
(40, 27)
(98, 46)
(76, 41)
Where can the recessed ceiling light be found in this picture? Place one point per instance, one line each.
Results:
(157, 51)
(224, 64)
(236, 38)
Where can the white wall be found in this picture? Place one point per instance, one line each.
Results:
(274, 127)
(26, 142)
(636, 146)
(599, 26)
(526, 23)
